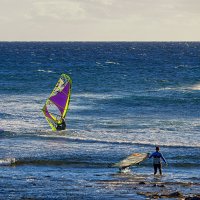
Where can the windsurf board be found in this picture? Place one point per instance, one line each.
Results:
(132, 159)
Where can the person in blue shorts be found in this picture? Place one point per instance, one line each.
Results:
(157, 156)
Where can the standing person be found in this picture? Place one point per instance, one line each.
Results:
(157, 156)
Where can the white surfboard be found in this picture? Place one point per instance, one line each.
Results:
(132, 159)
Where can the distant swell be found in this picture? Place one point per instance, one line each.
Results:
(121, 142)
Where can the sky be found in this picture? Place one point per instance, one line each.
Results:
(99, 20)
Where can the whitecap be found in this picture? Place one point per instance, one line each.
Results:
(112, 62)
(195, 87)
(7, 161)
(45, 71)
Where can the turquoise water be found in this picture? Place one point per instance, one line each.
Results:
(126, 97)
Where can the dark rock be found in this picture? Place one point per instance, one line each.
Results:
(142, 183)
(155, 196)
(149, 194)
(193, 198)
(173, 195)
(176, 194)
(144, 193)
(161, 185)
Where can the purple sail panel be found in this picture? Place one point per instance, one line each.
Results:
(61, 97)
(66, 89)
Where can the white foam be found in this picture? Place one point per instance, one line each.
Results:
(100, 96)
(25, 112)
(153, 136)
(183, 88)
(7, 161)
(195, 87)
(45, 71)
(73, 106)
(112, 62)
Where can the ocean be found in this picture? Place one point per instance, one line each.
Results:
(126, 97)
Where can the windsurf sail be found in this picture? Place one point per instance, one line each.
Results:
(56, 106)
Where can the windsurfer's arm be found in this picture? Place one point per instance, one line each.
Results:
(163, 159)
(151, 155)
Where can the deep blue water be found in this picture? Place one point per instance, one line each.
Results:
(126, 97)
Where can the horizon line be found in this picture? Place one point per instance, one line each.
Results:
(100, 41)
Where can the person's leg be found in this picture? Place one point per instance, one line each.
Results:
(155, 169)
(160, 168)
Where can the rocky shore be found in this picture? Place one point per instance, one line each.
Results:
(150, 187)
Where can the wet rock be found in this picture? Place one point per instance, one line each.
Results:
(149, 194)
(142, 183)
(186, 184)
(156, 185)
(161, 185)
(173, 195)
(176, 194)
(193, 198)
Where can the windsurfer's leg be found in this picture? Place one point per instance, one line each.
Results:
(63, 126)
(155, 169)
(160, 168)
(58, 128)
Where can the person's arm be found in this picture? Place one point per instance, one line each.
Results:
(163, 158)
(151, 155)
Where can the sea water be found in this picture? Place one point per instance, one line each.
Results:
(126, 97)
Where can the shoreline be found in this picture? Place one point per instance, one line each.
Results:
(152, 187)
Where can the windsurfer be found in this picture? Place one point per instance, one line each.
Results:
(56, 106)
(157, 156)
(61, 125)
